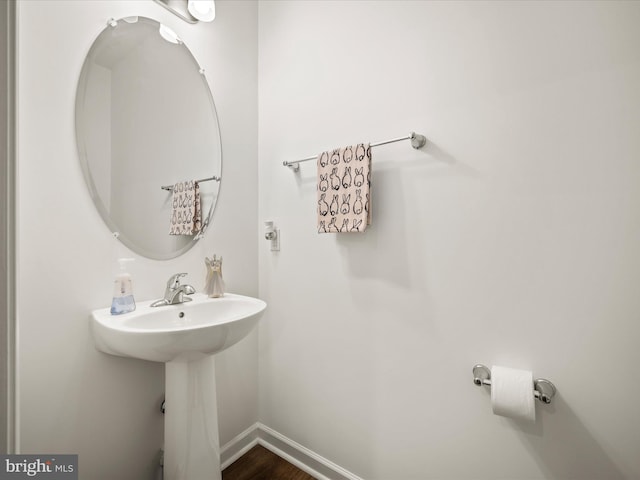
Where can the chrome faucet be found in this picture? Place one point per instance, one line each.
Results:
(175, 292)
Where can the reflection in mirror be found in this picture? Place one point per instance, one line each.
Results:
(145, 119)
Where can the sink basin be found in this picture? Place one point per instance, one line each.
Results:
(184, 332)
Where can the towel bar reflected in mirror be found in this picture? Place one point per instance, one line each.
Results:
(170, 187)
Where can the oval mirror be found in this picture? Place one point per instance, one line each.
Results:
(146, 121)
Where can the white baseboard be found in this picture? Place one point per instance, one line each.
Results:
(238, 446)
(296, 454)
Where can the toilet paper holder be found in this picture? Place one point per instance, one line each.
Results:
(543, 389)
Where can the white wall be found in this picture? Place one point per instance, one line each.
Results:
(7, 25)
(511, 239)
(73, 399)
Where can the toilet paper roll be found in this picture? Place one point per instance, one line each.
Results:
(512, 393)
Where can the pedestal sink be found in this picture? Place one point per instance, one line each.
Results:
(185, 337)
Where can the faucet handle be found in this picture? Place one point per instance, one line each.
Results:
(174, 280)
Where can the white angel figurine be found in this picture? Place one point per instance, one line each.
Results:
(214, 284)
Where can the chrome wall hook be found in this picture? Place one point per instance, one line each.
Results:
(272, 233)
(543, 389)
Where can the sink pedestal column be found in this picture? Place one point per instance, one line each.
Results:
(191, 441)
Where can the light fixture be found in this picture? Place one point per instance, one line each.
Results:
(203, 10)
(191, 11)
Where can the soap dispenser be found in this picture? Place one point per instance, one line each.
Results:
(214, 284)
(123, 301)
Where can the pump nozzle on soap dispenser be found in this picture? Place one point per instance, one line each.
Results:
(123, 301)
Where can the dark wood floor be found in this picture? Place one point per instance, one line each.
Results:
(262, 464)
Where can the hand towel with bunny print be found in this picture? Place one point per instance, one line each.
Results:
(186, 212)
(344, 181)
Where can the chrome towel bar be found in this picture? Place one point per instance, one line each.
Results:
(417, 141)
(170, 187)
(543, 389)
